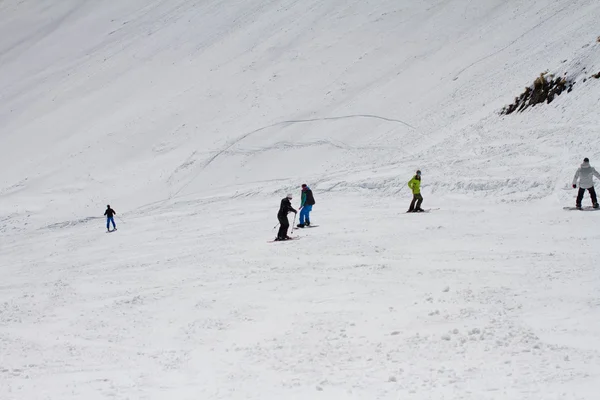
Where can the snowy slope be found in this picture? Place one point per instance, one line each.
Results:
(148, 101)
(193, 118)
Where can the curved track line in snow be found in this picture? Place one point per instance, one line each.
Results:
(299, 121)
(288, 122)
(346, 117)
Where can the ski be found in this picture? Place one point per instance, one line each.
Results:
(586, 208)
(287, 240)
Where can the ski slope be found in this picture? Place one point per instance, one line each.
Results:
(192, 119)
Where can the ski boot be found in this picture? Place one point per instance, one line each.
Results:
(300, 226)
(596, 205)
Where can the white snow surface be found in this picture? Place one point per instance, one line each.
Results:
(194, 118)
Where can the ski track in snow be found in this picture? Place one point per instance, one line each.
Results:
(283, 123)
(152, 107)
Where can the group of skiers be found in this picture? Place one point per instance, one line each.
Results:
(584, 177)
(307, 201)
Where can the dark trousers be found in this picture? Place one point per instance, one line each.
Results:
(582, 192)
(110, 220)
(284, 224)
(417, 198)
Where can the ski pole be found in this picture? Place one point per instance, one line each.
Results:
(294, 224)
(275, 226)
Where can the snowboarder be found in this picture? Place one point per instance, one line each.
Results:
(284, 209)
(110, 213)
(415, 185)
(585, 174)
(307, 201)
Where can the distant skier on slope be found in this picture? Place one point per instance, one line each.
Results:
(585, 174)
(415, 185)
(110, 213)
(307, 201)
(284, 209)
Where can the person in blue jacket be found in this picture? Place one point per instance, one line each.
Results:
(307, 201)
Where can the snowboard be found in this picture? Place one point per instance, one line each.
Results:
(283, 241)
(309, 226)
(586, 208)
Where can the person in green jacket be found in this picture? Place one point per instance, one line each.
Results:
(415, 185)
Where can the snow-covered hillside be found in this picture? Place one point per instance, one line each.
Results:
(193, 119)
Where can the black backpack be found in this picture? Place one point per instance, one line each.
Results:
(310, 199)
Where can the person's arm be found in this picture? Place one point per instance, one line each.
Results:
(105, 212)
(576, 177)
(290, 208)
(596, 174)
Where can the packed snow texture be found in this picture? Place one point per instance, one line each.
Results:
(192, 119)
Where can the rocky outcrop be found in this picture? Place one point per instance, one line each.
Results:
(544, 90)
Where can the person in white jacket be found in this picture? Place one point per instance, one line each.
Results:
(585, 174)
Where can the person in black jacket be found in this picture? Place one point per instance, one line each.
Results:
(110, 213)
(284, 210)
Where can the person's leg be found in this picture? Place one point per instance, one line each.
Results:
(108, 223)
(308, 210)
(593, 195)
(285, 226)
(303, 214)
(412, 203)
(112, 220)
(419, 201)
(579, 197)
(282, 227)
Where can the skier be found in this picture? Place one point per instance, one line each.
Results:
(284, 210)
(585, 174)
(307, 201)
(415, 185)
(110, 218)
